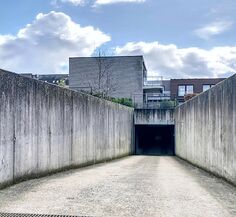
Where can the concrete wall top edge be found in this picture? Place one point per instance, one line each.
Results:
(154, 124)
(154, 109)
(59, 88)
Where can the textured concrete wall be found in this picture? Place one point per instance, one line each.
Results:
(206, 130)
(45, 128)
(126, 74)
(154, 117)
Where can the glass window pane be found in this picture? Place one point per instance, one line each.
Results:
(189, 89)
(206, 87)
(181, 90)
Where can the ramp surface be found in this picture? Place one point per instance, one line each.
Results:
(132, 186)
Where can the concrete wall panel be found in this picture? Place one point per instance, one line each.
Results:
(45, 128)
(154, 117)
(7, 140)
(205, 130)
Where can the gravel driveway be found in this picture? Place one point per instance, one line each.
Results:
(132, 186)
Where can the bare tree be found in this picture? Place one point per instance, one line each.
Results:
(104, 83)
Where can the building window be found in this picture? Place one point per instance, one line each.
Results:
(181, 91)
(207, 86)
(185, 89)
(189, 89)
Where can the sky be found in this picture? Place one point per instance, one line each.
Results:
(178, 38)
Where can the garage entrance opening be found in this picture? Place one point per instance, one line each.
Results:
(155, 140)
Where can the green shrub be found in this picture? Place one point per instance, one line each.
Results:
(168, 104)
(123, 101)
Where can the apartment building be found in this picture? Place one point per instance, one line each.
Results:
(116, 76)
(126, 77)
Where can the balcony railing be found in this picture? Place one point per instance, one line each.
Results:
(157, 96)
(153, 81)
(154, 101)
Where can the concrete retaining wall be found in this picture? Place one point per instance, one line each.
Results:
(206, 130)
(154, 117)
(45, 128)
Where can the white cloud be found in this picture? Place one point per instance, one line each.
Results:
(73, 2)
(212, 29)
(45, 45)
(106, 2)
(173, 62)
(96, 3)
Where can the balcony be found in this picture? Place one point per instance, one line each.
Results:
(153, 82)
(154, 101)
(157, 96)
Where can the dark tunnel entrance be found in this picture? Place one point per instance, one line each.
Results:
(155, 140)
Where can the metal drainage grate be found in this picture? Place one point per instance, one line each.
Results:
(34, 215)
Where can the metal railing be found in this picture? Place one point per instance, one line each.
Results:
(157, 96)
(154, 101)
(152, 81)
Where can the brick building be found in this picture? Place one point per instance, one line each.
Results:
(180, 87)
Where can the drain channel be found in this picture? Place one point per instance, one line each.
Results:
(34, 215)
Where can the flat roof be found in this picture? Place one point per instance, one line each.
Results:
(107, 56)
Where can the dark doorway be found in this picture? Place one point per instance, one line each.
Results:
(154, 140)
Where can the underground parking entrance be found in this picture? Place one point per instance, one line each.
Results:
(155, 140)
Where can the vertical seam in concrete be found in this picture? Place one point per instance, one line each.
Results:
(108, 136)
(14, 129)
(37, 125)
(71, 131)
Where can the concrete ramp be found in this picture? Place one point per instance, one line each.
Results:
(135, 186)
